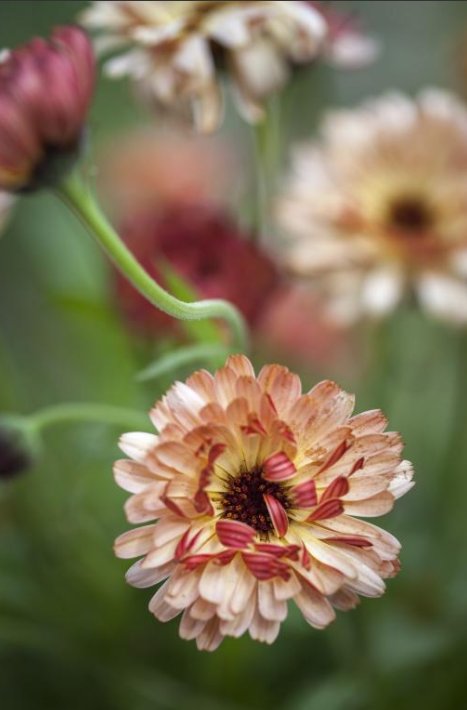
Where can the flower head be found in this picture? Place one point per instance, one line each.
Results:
(203, 246)
(379, 206)
(45, 92)
(176, 48)
(255, 486)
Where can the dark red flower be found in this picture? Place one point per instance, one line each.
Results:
(45, 92)
(204, 247)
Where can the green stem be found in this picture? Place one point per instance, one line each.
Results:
(266, 135)
(80, 200)
(86, 412)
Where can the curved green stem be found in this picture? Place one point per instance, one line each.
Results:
(86, 412)
(77, 196)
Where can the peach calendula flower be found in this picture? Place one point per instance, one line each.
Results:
(378, 207)
(45, 92)
(255, 488)
(175, 49)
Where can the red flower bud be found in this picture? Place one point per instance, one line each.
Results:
(45, 92)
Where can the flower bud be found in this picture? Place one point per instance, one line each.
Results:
(45, 92)
(17, 451)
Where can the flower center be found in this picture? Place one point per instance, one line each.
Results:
(410, 214)
(244, 499)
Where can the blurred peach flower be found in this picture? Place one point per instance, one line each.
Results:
(154, 169)
(295, 326)
(204, 246)
(378, 207)
(255, 488)
(45, 91)
(173, 50)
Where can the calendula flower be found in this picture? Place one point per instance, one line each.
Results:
(45, 92)
(203, 246)
(255, 488)
(175, 50)
(378, 207)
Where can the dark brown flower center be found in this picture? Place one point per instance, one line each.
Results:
(244, 499)
(410, 214)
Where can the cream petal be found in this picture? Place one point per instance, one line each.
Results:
(371, 507)
(190, 627)
(168, 529)
(286, 589)
(135, 543)
(269, 606)
(159, 607)
(213, 581)
(237, 626)
(345, 599)
(210, 637)
(315, 608)
(137, 445)
(244, 588)
(132, 476)
(141, 578)
(161, 555)
(263, 630)
(402, 480)
(203, 610)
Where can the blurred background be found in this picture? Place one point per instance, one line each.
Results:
(72, 633)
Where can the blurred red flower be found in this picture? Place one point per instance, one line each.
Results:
(202, 245)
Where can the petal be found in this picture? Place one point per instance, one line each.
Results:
(315, 608)
(135, 542)
(233, 533)
(137, 445)
(278, 515)
(279, 467)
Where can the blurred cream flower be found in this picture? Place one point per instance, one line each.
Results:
(379, 207)
(255, 487)
(175, 49)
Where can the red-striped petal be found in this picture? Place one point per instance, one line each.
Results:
(265, 567)
(278, 514)
(233, 533)
(328, 509)
(195, 561)
(339, 487)
(279, 467)
(305, 495)
(335, 456)
(354, 541)
(186, 544)
(357, 465)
